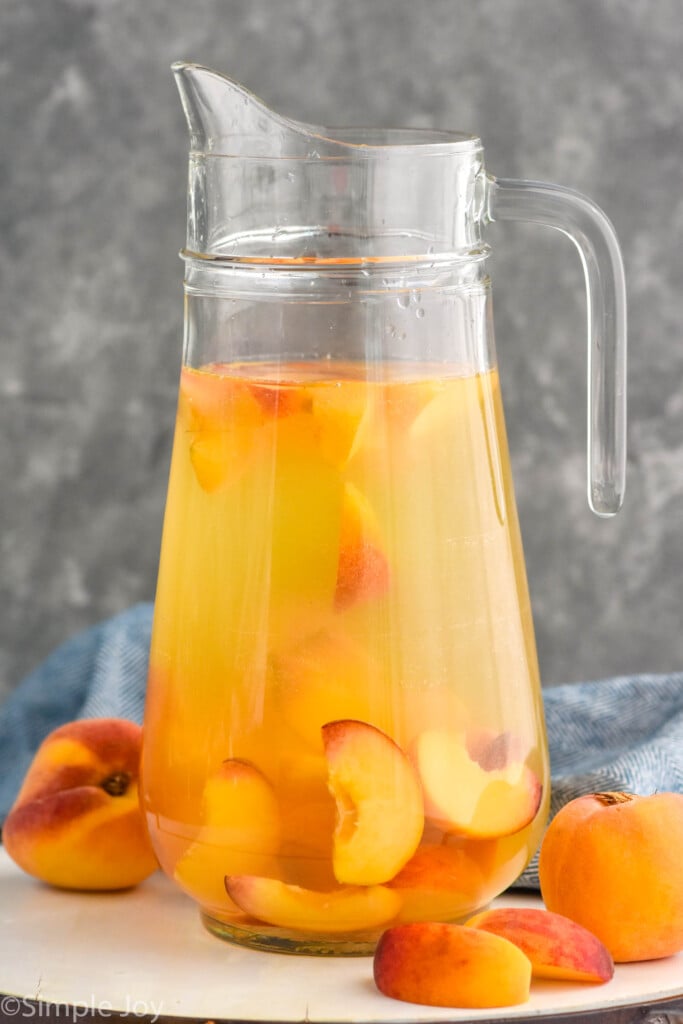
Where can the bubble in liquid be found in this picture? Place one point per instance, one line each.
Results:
(403, 300)
(419, 312)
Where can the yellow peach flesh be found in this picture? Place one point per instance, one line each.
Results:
(439, 883)
(323, 678)
(337, 414)
(348, 909)
(240, 833)
(464, 798)
(379, 803)
(220, 418)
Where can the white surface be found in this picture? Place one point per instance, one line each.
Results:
(146, 951)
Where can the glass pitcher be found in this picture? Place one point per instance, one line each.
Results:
(344, 724)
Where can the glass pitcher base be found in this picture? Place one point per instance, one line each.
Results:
(283, 940)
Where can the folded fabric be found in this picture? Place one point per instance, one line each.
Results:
(99, 673)
(622, 733)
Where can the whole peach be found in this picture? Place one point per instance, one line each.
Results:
(612, 863)
(76, 822)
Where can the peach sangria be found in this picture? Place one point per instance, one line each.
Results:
(343, 727)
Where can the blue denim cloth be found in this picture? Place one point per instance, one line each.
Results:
(100, 673)
(622, 733)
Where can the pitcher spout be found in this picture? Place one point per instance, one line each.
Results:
(295, 191)
(225, 118)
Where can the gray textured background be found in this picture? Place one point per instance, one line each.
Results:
(93, 149)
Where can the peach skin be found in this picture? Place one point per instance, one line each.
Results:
(557, 947)
(612, 863)
(450, 965)
(379, 803)
(76, 822)
(363, 569)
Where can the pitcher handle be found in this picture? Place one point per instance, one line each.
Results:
(593, 235)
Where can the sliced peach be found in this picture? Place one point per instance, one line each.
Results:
(304, 523)
(458, 436)
(404, 400)
(306, 859)
(438, 883)
(240, 833)
(363, 569)
(338, 410)
(282, 399)
(391, 408)
(501, 860)
(556, 946)
(470, 798)
(379, 803)
(308, 818)
(221, 418)
(492, 749)
(431, 705)
(327, 677)
(450, 965)
(348, 909)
